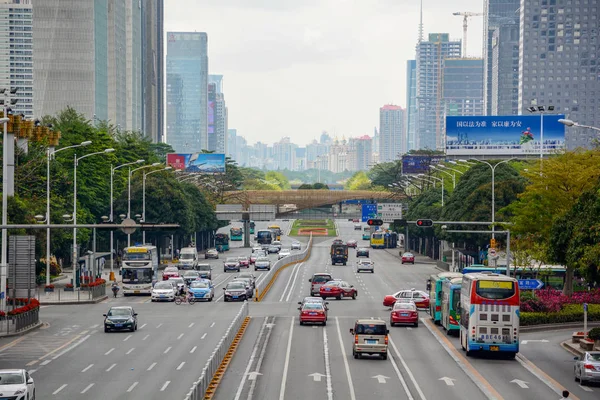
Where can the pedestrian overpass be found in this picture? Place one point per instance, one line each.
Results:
(288, 201)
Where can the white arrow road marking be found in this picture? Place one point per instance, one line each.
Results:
(380, 378)
(316, 376)
(448, 381)
(252, 375)
(269, 325)
(587, 389)
(534, 341)
(522, 384)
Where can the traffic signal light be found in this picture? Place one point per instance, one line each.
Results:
(375, 222)
(424, 223)
(400, 222)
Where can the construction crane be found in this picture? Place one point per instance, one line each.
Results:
(466, 15)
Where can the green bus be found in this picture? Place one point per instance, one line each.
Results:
(252, 226)
(435, 293)
(450, 318)
(222, 242)
(366, 233)
(237, 234)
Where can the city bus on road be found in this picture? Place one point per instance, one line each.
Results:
(435, 293)
(252, 226)
(264, 237)
(237, 234)
(139, 269)
(489, 313)
(450, 298)
(366, 233)
(276, 229)
(377, 240)
(222, 242)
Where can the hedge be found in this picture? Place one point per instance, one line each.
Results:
(569, 313)
(594, 334)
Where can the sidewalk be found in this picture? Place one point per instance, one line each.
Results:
(575, 348)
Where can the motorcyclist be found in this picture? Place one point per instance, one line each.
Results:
(115, 288)
(181, 291)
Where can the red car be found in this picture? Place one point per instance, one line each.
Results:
(244, 262)
(420, 298)
(313, 312)
(404, 313)
(355, 220)
(338, 289)
(408, 258)
(170, 272)
(352, 243)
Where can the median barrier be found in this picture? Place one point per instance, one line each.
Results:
(204, 387)
(265, 284)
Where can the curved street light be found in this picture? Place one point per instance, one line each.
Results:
(569, 122)
(167, 168)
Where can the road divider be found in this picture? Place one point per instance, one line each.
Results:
(262, 288)
(212, 373)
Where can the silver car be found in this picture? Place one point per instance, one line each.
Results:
(283, 253)
(262, 263)
(587, 367)
(212, 253)
(365, 265)
(296, 246)
(246, 275)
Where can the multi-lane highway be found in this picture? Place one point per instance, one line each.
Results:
(72, 357)
(279, 359)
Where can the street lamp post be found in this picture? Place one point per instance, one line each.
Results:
(493, 168)
(131, 171)
(144, 197)
(453, 176)
(541, 110)
(111, 218)
(423, 176)
(76, 162)
(569, 122)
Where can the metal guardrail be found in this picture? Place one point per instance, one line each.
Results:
(60, 295)
(16, 323)
(262, 287)
(199, 388)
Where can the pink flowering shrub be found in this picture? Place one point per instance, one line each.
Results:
(552, 300)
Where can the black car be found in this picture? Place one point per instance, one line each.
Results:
(231, 264)
(362, 252)
(236, 291)
(120, 318)
(205, 271)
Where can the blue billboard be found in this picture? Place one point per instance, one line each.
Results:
(369, 211)
(504, 135)
(419, 164)
(197, 162)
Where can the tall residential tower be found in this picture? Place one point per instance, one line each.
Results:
(392, 133)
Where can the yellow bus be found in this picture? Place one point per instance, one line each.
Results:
(276, 229)
(377, 240)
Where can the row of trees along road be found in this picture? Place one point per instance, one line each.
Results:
(553, 207)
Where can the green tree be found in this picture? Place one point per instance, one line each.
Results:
(277, 178)
(385, 174)
(305, 186)
(358, 181)
(320, 186)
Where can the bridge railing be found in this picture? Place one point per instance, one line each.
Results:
(262, 287)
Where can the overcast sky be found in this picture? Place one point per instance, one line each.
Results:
(299, 67)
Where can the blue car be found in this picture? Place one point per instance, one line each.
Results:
(202, 289)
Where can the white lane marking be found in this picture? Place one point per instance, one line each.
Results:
(127, 338)
(159, 325)
(133, 385)
(151, 366)
(31, 371)
(142, 326)
(130, 350)
(211, 325)
(295, 269)
(261, 357)
(162, 389)
(180, 365)
(251, 360)
(83, 339)
(111, 367)
(190, 325)
(287, 362)
(88, 367)
(180, 336)
(88, 387)
(408, 371)
(203, 336)
(523, 361)
(46, 362)
(146, 337)
(587, 389)
(401, 378)
(110, 351)
(327, 365)
(167, 350)
(84, 332)
(293, 283)
(94, 326)
(193, 349)
(59, 389)
(350, 385)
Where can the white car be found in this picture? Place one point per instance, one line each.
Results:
(256, 248)
(163, 291)
(177, 283)
(283, 253)
(16, 384)
(365, 265)
(296, 246)
(276, 243)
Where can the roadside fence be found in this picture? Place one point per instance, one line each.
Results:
(60, 295)
(12, 324)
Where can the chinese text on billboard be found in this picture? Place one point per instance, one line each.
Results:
(197, 162)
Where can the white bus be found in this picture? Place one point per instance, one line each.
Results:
(489, 313)
(139, 269)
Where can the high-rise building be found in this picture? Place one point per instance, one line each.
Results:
(153, 69)
(501, 37)
(217, 80)
(337, 158)
(96, 70)
(463, 87)
(559, 48)
(231, 143)
(392, 132)
(430, 105)
(16, 48)
(187, 91)
(217, 115)
(411, 105)
(314, 150)
(362, 153)
(284, 154)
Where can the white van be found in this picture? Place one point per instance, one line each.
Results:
(188, 258)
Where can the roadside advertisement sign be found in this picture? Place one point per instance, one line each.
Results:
(502, 135)
(369, 211)
(197, 162)
(419, 164)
